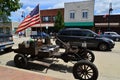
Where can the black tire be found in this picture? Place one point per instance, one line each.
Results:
(88, 55)
(20, 61)
(117, 39)
(85, 70)
(103, 47)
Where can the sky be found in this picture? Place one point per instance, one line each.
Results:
(101, 7)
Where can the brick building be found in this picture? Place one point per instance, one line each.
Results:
(105, 23)
(47, 20)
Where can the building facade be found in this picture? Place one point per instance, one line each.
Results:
(6, 27)
(107, 23)
(47, 20)
(79, 14)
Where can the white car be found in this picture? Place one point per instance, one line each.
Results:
(112, 35)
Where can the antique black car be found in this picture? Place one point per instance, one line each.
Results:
(83, 69)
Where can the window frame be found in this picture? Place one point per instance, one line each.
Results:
(1, 30)
(46, 18)
(85, 14)
(72, 14)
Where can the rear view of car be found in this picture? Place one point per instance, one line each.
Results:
(76, 36)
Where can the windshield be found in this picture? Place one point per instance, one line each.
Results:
(114, 34)
(95, 34)
(111, 33)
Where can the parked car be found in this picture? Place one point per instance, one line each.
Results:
(6, 42)
(77, 36)
(112, 35)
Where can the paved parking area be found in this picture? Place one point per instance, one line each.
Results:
(106, 62)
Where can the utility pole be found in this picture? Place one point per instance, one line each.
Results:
(110, 10)
(23, 16)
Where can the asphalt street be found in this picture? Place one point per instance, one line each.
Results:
(106, 62)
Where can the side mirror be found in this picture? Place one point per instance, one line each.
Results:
(95, 36)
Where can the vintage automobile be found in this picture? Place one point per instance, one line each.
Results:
(83, 69)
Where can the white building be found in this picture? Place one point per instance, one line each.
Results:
(5, 27)
(15, 25)
(79, 14)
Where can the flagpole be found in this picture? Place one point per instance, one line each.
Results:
(40, 20)
(31, 19)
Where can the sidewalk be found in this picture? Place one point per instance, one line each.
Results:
(10, 73)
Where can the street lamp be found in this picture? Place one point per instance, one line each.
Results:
(23, 16)
(110, 10)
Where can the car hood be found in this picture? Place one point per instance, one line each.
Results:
(116, 35)
(103, 37)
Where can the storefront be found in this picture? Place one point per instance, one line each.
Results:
(79, 14)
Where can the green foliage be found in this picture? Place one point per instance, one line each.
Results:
(8, 6)
(59, 22)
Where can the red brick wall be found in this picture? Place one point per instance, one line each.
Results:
(51, 13)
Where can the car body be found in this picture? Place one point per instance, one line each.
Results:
(77, 36)
(6, 42)
(112, 35)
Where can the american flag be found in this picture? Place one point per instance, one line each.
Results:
(30, 20)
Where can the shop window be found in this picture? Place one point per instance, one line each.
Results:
(1, 30)
(7, 30)
(46, 18)
(72, 14)
(84, 14)
(54, 18)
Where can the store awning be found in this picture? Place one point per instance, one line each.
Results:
(79, 24)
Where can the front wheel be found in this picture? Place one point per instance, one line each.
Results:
(103, 47)
(88, 55)
(117, 39)
(20, 61)
(85, 70)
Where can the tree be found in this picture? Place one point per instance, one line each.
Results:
(59, 22)
(8, 6)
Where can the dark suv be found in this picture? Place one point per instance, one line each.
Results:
(76, 36)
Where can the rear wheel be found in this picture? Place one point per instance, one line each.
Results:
(103, 47)
(85, 70)
(89, 56)
(20, 61)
